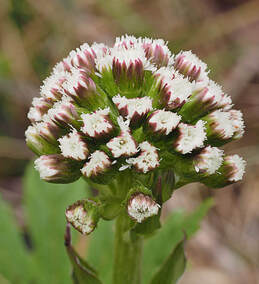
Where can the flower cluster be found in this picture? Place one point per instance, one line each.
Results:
(133, 109)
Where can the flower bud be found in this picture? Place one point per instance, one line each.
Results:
(191, 66)
(97, 124)
(40, 106)
(238, 123)
(208, 161)
(173, 88)
(49, 130)
(57, 169)
(147, 160)
(98, 167)
(123, 145)
(203, 100)
(52, 86)
(83, 215)
(190, 137)
(64, 113)
(163, 122)
(133, 109)
(73, 146)
(232, 170)
(38, 144)
(141, 206)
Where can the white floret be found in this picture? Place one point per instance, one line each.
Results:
(96, 123)
(140, 106)
(238, 165)
(98, 163)
(223, 124)
(238, 123)
(148, 158)
(191, 137)
(164, 121)
(123, 145)
(44, 169)
(72, 146)
(142, 207)
(209, 160)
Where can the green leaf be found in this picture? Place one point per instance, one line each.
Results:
(44, 206)
(156, 248)
(173, 268)
(82, 271)
(15, 263)
(100, 253)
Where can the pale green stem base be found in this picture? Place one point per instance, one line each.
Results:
(127, 255)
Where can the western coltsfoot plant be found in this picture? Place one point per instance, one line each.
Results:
(136, 122)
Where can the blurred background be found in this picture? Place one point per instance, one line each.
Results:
(34, 35)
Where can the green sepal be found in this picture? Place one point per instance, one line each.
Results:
(173, 267)
(82, 271)
(149, 226)
(42, 147)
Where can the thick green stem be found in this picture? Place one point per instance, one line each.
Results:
(127, 256)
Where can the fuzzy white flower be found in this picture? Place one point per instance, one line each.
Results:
(141, 207)
(133, 107)
(147, 160)
(209, 160)
(72, 146)
(162, 121)
(190, 137)
(236, 166)
(44, 168)
(98, 163)
(97, 123)
(238, 123)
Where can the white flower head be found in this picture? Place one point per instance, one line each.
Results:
(72, 146)
(52, 86)
(45, 168)
(238, 123)
(190, 137)
(133, 108)
(97, 124)
(209, 160)
(235, 167)
(175, 88)
(221, 124)
(122, 145)
(98, 163)
(162, 121)
(147, 160)
(190, 65)
(141, 207)
(80, 217)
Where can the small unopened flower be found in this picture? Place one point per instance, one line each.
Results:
(98, 164)
(234, 167)
(238, 123)
(191, 66)
(51, 87)
(57, 169)
(73, 146)
(174, 89)
(147, 160)
(190, 137)
(231, 170)
(40, 106)
(208, 160)
(141, 207)
(222, 126)
(83, 215)
(205, 99)
(163, 122)
(97, 124)
(49, 130)
(64, 113)
(37, 143)
(133, 109)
